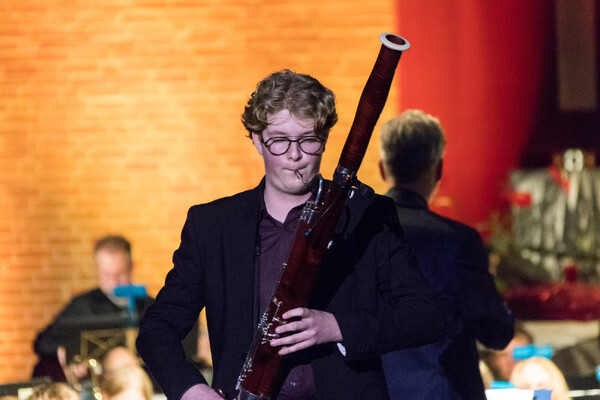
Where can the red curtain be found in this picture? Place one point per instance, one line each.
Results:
(485, 68)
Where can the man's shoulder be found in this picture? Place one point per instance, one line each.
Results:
(425, 219)
(92, 295)
(239, 203)
(362, 197)
(362, 193)
(88, 302)
(364, 206)
(460, 228)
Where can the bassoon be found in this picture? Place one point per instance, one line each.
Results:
(263, 368)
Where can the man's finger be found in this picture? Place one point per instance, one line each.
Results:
(291, 349)
(290, 327)
(295, 312)
(289, 340)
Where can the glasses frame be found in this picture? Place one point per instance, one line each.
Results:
(289, 144)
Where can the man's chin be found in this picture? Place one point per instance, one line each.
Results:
(293, 187)
(297, 188)
(300, 190)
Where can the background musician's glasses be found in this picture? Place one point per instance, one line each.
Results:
(279, 145)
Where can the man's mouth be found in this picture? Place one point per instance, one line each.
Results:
(307, 182)
(300, 176)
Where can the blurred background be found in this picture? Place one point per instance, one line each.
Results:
(117, 115)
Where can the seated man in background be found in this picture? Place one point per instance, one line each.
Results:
(501, 362)
(453, 260)
(94, 309)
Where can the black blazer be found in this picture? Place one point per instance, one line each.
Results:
(454, 261)
(370, 283)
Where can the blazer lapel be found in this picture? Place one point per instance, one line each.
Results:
(240, 256)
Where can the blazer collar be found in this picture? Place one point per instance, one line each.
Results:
(407, 198)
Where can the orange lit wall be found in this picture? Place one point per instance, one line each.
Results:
(117, 115)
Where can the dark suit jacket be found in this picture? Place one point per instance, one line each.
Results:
(454, 261)
(370, 283)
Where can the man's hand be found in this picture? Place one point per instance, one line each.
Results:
(201, 392)
(72, 371)
(309, 327)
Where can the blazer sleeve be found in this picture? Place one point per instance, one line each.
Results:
(485, 312)
(407, 314)
(173, 314)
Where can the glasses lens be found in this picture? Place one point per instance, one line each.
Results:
(311, 145)
(278, 146)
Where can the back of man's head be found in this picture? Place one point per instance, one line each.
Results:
(411, 144)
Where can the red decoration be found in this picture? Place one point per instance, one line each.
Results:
(556, 301)
(520, 199)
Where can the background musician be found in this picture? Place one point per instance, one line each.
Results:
(112, 256)
(371, 298)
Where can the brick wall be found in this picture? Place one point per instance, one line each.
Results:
(117, 115)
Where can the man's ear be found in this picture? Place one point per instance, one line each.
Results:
(257, 142)
(381, 170)
(438, 170)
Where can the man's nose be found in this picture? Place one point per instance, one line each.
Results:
(294, 152)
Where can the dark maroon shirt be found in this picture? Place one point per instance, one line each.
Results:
(275, 241)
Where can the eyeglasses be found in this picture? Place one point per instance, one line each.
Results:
(277, 146)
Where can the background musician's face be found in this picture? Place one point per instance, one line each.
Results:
(114, 269)
(503, 361)
(280, 171)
